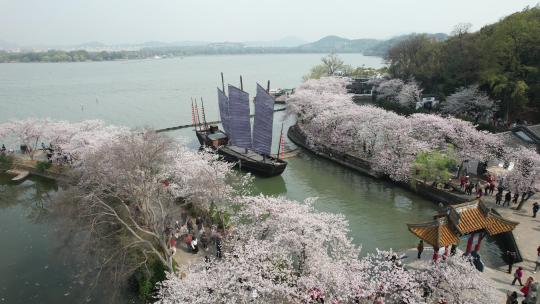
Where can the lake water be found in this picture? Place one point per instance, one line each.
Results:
(157, 93)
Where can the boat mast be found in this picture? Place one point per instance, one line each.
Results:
(197, 115)
(280, 140)
(203, 114)
(193, 114)
(222, 84)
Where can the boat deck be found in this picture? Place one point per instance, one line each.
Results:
(251, 154)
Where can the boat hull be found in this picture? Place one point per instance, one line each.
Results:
(270, 167)
(251, 161)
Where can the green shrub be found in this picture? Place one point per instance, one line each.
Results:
(147, 278)
(43, 165)
(6, 161)
(435, 165)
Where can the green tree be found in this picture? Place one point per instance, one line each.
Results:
(331, 64)
(416, 57)
(435, 165)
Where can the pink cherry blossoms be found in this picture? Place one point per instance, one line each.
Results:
(389, 141)
(282, 251)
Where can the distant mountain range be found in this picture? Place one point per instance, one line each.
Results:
(328, 44)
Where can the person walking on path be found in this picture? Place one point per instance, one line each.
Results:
(420, 248)
(479, 192)
(189, 225)
(516, 196)
(536, 207)
(199, 223)
(218, 247)
(510, 258)
(491, 188)
(173, 245)
(517, 276)
(507, 199)
(498, 198)
(469, 188)
(525, 290)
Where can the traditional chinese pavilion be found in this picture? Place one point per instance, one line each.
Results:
(455, 221)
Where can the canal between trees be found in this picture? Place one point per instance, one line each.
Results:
(35, 266)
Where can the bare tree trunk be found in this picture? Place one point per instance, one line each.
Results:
(522, 202)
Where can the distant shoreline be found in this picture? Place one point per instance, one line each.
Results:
(35, 56)
(326, 45)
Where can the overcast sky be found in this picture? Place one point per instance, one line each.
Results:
(30, 22)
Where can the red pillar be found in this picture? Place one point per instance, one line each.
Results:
(469, 243)
(435, 254)
(446, 251)
(477, 247)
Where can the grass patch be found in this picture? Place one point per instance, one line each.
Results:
(43, 165)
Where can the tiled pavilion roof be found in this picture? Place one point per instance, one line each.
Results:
(459, 220)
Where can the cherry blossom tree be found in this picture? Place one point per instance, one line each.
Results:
(280, 251)
(29, 132)
(135, 183)
(409, 94)
(285, 252)
(202, 179)
(331, 122)
(336, 85)
(77, 138)
(455, 280)
(525, 174)
(389, 89)
(469, 102)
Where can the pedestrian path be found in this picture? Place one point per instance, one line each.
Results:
(526, 236)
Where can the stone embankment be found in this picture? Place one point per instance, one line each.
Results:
(434, 194)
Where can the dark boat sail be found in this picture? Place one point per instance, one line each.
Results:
(251, 151)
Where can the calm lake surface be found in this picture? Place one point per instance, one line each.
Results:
(157, 93)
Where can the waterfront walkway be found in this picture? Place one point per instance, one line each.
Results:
(526, 236)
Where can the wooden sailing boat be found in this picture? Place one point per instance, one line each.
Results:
(251, 151)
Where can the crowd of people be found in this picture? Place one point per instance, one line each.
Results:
(54, 155)
(195, 236)
(480, 188)
(518, 275)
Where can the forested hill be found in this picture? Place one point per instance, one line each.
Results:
(502, 58)
(328, 44)
(373, 47)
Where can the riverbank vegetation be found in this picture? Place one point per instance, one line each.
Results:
(70, 56)
(501, 59)
(391, 142)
